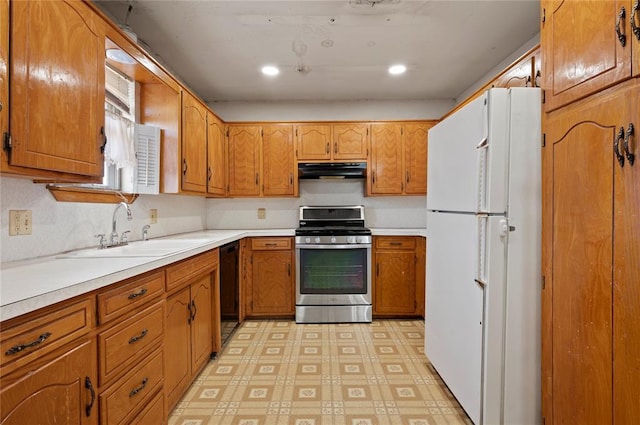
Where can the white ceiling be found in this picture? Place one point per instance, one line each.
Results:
(218, 47)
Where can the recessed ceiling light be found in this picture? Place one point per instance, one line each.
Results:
(270, 70)
(397, 69)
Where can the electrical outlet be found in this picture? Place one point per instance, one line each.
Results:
(262, 213)
(154, 215)
(19, 222)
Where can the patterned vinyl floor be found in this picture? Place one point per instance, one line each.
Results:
(283, 373)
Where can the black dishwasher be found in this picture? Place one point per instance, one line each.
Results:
(229, 290)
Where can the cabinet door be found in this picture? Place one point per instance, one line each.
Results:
(201, 322)
(243, 160)
(4, 64)
(194, 145)
(350, 141)
(58, 389)
(518, 74)
(215, 156)
(57, 87)
(580, 59)
(415, 158)
(395, 278)
(578, 248)
(386, 160)
(272, 283)
(177, 347)
(277, 160)
(313, 142)
(626, 276)
(634, 35)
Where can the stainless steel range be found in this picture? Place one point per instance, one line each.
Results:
(333, 257)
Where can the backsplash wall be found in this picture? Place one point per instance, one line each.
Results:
(64, 226)
(380, 212)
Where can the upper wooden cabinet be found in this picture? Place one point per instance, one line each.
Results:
(4, 68)
(260, 160)
(586, 45)
(398, 162)
(215, 156)
(522, 73)
(243, 159)
(345, 141)
(194, 144)
(278, 178)
(57, 90)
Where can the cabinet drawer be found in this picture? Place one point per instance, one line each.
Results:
(121, 346)
(395, 242)
(153, 414)
(258, 244)
(44, 332)
(128, 295)
(182, 272)
(134, 390)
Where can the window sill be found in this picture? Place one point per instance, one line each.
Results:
(90, 195)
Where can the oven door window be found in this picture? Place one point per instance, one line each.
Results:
(333, 271)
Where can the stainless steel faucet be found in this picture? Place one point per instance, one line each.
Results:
(113, 238)
(145, 232)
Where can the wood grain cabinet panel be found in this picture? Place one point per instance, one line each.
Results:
(581, 49)
(269, 278)
(243, 153)
(121, 401)
(55, 389)
(386, 174)
(398, 164)
(4, 69)
(313, 142)
(194, 144)
(398, 277)
(591, 261)
(44, 331)
(215, 156)
(277, 161)
(350, 141)
(57, 87)
(129, 295)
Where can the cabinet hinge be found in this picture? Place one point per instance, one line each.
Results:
(251, 260)
(227, 131)
(544, 96)
(6, 142)
(544, 15)
(544, 140)
(543, 282)
(544, 420)
(261, 133)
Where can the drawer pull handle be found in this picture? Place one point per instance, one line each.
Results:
(88, 385)
(194, 310)
(137, 338)
(271, 244)
(622, 38)
(625, 145)
(396, 243)
(140, 388)
(137, 294)
(634, 27)
(18, 348)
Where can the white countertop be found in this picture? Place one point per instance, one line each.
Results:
(31, 284)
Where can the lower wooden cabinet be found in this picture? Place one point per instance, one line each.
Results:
(59, 388)
(398, 276)
(188, 334)
(269, 277)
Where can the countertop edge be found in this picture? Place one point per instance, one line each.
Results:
(135, 266)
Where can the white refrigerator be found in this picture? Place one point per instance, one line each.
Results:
(482, 323)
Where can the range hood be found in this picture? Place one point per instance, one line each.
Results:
(332, 170)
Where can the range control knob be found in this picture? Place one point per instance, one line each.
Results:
(317, 240)
(307, 240)
(333, 239)
(359, 239)
(351, 239)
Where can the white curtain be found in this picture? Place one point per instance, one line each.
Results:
(120, 148)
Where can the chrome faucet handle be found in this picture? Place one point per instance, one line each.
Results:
(102, 242)
(145, 232)
(123, 237)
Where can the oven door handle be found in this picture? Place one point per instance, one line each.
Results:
(329, 246)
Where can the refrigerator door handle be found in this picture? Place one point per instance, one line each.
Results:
(481, 283)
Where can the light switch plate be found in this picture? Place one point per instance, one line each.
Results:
(19, 222)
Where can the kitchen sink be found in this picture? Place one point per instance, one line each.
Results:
(150, 248)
